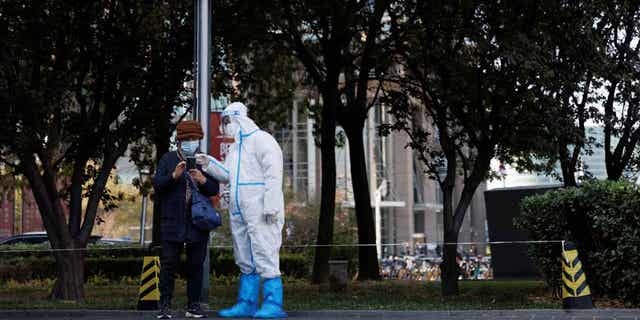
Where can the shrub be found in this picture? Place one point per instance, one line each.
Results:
(114, 267)
(291, 264)
(603, 219)
(93, 250)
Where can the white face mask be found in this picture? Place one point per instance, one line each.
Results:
(189, 148)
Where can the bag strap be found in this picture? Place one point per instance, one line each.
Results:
(191, 183)
(193, 186)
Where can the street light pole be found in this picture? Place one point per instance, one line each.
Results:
(379, 193)
(144, 173)
(203, 61)
(202, 101)
(143, 217)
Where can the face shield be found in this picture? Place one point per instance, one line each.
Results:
(228, 128)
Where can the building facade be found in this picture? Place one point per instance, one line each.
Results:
(18, 212)
(7, 212)
(409, 206)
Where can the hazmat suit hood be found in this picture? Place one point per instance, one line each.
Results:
(240, 122)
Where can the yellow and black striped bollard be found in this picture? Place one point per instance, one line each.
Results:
(575, 290)
(149, 294)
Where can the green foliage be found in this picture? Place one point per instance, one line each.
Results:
(620, 90)
(79, 82)
(464, 95)
(603, 219)
(342, 49)
(467, 93)
(264, 72)
(127, 263)
(300, 295)
(565, 81)
(586, 76)
(301, 221)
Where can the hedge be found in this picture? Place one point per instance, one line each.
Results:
(42, 250)
(116, 267)
(603, 219)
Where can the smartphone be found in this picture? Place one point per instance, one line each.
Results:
(191, 163)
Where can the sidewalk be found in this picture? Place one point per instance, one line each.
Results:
(599, 314)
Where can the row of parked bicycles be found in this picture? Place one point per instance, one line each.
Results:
(424, 265)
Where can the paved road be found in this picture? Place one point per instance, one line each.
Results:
(600, 314)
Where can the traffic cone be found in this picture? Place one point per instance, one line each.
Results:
(149, 294)
(575, 290)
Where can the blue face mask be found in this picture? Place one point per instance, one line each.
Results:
(189, 148)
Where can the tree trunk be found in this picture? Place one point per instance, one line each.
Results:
(614, 173)
(453, 221)
(449, 266)
(624, 152)
(328, 196)
(367, 255)
(615, 168)
(568, 174)
(612, 159)
(69, 264)
(69, 284)
(327, 214)
(567, 165)
(609, 123)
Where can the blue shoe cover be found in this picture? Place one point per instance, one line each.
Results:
(247, 298)
(272, 300)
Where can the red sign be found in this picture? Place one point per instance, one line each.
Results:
(217, 141)
(218, 146)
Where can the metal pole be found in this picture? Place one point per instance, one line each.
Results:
(203, 61)
(294, 149)
(144, 174)
(371, 151)
(143, 218)
(378, 218)
(203, 100)
(311, 160)
(380, 192)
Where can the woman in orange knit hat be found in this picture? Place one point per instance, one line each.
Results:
(174, 191)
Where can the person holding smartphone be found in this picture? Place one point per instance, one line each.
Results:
(173, 190)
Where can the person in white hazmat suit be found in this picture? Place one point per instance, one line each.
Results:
(253, 168)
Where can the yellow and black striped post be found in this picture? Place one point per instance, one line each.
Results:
(575, 290)
(149, 294)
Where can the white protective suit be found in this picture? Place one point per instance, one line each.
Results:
(253, 168)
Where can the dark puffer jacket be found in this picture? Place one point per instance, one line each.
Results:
(176, 221)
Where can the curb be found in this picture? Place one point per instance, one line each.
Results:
(329, 314)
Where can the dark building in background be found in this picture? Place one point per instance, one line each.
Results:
(16, 221)
(510, 260)
(31, 220)
(7, 212)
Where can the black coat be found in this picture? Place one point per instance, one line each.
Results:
(175, 220)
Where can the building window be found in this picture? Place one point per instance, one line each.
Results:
(439, 195)
(418, 222)
(418, 186)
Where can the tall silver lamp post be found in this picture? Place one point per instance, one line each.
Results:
(202, 99)
(144, 174)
